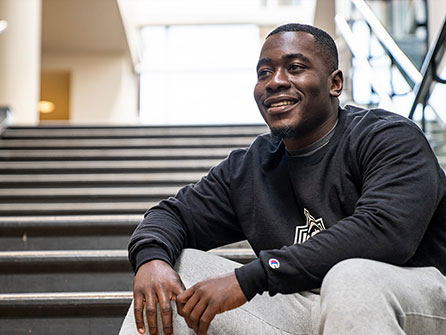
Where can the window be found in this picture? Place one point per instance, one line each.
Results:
(199, 74)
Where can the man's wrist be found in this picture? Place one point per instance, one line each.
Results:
(148, 254)
(252, 279)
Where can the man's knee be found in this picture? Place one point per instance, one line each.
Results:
(357, 297)
(188, 257)
(356, 276)
(196, 265)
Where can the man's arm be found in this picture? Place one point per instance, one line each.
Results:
(401, 188)
(200, 216)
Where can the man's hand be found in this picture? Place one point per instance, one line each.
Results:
(155, 282)
(200, 303)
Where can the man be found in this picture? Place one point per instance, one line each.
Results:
(344, 207)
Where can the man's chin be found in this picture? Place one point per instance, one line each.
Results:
(283, 133)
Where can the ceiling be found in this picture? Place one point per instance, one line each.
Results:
(82, 26)
(115, 25)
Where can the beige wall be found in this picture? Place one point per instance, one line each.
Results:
(20, 59)
(81, 37)
(437, 12)
(103, 87)
(324, 16)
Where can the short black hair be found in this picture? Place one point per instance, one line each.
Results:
(323, 40)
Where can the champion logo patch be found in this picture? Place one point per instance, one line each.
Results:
(274, 263)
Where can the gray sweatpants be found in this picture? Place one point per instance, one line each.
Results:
(357, 296)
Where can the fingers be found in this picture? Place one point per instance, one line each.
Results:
(187, 303)
(151, 302)
(138, 305)
(196, 310)
(205, 321)
(178, 289)
(200, 303)
(166, 313)
(196, 314)
(152, 320)
(185, 295)
(156, 283)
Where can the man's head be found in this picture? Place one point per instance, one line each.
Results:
(322, 40)
(298, 84)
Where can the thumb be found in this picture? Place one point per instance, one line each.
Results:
(185, 295)
(177, 290)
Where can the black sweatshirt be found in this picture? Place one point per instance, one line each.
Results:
(375, 191)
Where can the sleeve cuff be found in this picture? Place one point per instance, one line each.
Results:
(252, 279)
(150, 253)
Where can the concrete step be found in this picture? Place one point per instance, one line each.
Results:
(74, 232)
(99, 179)
(76, 208)
(30, 241)
(62, 271)
(46, 300)
(73, 313)
(94, 260)
(78, 270)
(113, 154)
(193, 142)
(107, 166)
(132, 132)
(70, 197)
(86, 193)
(69, 222)
(67, 232)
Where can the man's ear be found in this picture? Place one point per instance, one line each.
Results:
(337, 83)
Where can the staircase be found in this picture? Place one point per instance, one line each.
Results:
(70, 198)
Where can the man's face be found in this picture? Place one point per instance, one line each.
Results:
(293, 84)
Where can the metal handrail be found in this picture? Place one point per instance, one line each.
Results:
(399, 57)
(347, 34)
(5, 117)
(422, 82)
(429, 71)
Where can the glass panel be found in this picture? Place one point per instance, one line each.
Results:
(406, 21)
(390, 78)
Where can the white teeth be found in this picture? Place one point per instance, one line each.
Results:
(282, 103)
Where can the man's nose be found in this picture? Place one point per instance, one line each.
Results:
(279, 80)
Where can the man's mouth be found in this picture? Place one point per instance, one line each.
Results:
(282, 103)
(282, 106)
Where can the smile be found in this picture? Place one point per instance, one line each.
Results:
(282, 103)
(278, 106)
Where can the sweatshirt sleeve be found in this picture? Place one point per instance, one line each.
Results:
(200, 216)
(402, 185)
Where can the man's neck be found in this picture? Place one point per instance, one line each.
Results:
(299, 143)
(314, 147)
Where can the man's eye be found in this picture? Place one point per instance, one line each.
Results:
(262, 73)
(295, 67)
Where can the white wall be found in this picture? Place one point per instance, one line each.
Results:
(103, 87)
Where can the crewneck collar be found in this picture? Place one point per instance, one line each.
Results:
(316, 146)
